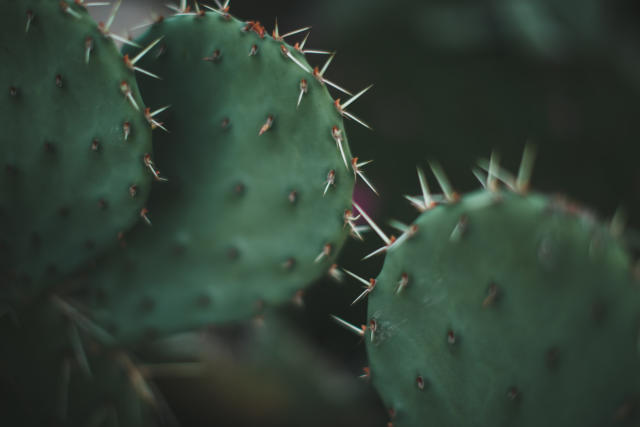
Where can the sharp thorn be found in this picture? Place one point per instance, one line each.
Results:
(426, 194)
(147, 73)
(398, 225)
(480, 177)
(295, 60)
(492, 181)
(294, 32)
(355, 119)
(355, 276)
(160, 110)
(416, 202)
(140, 55)
(373, 225)
(335, 86)
(618, 222)
(348, 326)
(376, 252)
(443, 181)
(124, 40)
(315, 52)
(356, 96)
(526, 168)
(326, 64)
(495, 173)
(304, 41)
(112, 15)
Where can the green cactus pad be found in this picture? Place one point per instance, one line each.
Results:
(71, 180)
(52, 374)
(244, 219)
(506, 310)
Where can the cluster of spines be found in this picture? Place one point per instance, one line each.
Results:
(489, 175)
(183, 9)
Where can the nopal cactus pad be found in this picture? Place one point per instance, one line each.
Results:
(258, 186)
(72, 143)
(56, 374)
(506, 310)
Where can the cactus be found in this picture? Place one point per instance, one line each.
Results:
(214, 374)
(72, 144)
(505, 309)
(259, 182)
(498, 308)
(57, 374)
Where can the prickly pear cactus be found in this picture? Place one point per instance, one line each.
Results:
(72, 145)
(54, 374)
(506, 310)
(259, 181)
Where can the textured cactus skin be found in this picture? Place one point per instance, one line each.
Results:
(243, 217)
(35, 354)
(63, 198)
(556, 344)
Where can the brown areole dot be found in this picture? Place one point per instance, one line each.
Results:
(451, 337)
(203, 301)
(289, 264)
(293, 197)
(493, 295)
(420, 382)
(233, 254)
(239, 189)
(514, 394)
(49, 148)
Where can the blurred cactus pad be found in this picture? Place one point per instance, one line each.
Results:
(259, 372)
(54, 373)
(505, 309)
(256, 158)
(72, 144)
